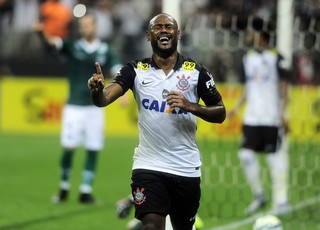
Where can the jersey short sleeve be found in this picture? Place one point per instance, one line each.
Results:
(206, 88)
(125, 77)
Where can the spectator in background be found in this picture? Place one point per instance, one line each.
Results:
(103, 11)
(264, 123)
(304, 68)
(6, 12)
(22, 38)
(55, 18)
(69, 3)
(131, 16)
(82, 122)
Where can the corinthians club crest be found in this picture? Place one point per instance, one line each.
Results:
(138, 196)
(183, 83)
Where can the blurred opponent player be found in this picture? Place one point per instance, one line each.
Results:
(82, 122)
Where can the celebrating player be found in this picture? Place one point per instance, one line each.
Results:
(167, 87)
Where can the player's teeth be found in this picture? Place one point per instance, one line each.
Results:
(164, 39)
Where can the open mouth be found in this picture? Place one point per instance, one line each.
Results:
(164, 39)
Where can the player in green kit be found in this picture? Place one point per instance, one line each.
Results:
(82, 122)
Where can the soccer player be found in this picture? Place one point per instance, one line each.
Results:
(167, 88)
(82, 122)
(264, 122)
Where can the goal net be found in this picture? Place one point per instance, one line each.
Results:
(215, 36)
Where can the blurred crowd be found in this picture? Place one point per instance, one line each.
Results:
(205, 24)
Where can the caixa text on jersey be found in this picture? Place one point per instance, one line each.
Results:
(160, 106)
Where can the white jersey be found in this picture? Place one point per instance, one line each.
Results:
(167, 140)
(262, 88)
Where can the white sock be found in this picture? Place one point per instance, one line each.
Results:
(279, 169)
(64, 185)
(251, 168)
(84, 188)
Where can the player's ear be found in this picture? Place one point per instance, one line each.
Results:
(147, 35)
(179, 34)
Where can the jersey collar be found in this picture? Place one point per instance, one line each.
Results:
(176, 67)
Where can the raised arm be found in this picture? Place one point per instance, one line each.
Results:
(49, 40)
(103, 95)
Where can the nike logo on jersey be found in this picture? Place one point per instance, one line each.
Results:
(146, 82)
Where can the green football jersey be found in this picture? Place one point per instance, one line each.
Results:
(80, 60)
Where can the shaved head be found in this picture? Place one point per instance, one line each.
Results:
(168, 16)
(163, 33)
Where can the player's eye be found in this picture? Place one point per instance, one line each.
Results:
(169, 27)
(157, 27)
(160, 26)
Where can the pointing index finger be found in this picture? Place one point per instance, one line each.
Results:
(98, 68)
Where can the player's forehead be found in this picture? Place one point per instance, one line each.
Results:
(162, 19)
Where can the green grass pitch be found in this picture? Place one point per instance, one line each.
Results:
(29, 176)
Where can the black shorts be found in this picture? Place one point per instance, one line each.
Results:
(164, 193)
(261, 138)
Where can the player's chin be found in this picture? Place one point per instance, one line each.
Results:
(166, 49)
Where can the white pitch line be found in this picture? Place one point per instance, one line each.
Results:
(251, 219)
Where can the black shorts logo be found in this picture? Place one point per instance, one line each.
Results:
(138, 196)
